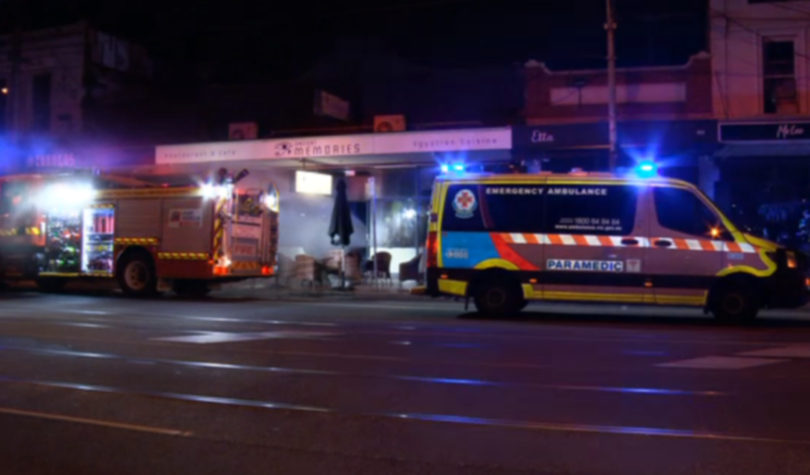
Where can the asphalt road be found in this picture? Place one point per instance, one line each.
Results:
(239, 385)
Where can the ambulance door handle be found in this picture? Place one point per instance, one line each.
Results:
(662, 243)
(630, 242)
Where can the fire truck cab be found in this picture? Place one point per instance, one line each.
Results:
(147, 235)
(504, 240)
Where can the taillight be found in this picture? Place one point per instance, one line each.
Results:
(432, 249)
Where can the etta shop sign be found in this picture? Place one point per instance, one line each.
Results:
(540, 136)
(559, 136)
(759, 132)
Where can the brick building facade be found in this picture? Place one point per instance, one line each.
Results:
(663, 112)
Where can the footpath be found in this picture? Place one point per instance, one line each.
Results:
(267, 289)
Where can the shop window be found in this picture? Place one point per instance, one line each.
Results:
(400, 223)
(682, 211)
(606, 210)
(779, 77)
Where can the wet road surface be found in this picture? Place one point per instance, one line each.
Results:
(104, 384)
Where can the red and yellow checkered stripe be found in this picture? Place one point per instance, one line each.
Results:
(238, 265)
(219, 229)
(150, 241)
(184, 256)
(677, 244)
(29, 231)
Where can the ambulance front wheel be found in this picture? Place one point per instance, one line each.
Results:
(136, 275)
(498, 298)
(735, 304)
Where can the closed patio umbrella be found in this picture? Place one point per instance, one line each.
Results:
(340, 227)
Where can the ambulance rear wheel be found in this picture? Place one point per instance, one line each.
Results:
(498, 298)
(136, 275)
(735, 304)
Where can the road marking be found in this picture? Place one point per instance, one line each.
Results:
(84, 312)
(172, 396)
(599, 429)
(413, 378)
(82, 325)
(644, 353)
(95, 422)
(720, 362)
(417, 308)
(782, 352)
(510, 424)
(223, 337)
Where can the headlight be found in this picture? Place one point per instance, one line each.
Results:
(210, 191)
(791, 260)
(271, 201)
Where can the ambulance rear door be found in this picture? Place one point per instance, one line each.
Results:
(493, 224)
(595, 237)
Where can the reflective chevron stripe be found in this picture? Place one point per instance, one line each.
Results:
(29, 231)
(187, 256)
(676, 244)
(245, 266)
(143, 241)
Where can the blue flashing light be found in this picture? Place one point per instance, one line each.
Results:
(455, 168)
(647, 169)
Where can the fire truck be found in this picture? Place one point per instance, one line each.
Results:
(148, 235)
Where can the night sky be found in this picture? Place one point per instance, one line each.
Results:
(271, 37)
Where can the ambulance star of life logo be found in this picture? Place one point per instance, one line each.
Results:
(464, 204)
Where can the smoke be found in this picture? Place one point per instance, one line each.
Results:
(304, 226)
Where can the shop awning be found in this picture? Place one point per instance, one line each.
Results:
(750, 150)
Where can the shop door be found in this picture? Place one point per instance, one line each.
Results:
(595, 236)
(685, 253)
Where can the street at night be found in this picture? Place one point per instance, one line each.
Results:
(238, 383)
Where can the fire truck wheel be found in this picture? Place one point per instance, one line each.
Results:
(735, 304)
(191, 288)
(137, 275)
(51, 285)
(497, 297)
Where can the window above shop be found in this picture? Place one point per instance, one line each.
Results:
(779, 76)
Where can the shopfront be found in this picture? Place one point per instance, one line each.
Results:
(676, 146)
(388, 176)
(764, 175)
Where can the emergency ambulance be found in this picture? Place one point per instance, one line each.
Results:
(504, 240)
(147, 235)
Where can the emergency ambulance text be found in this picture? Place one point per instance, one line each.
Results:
(534, 190)
(578, 191)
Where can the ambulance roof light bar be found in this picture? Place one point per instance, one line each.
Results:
(455, 167)
(647, 169)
